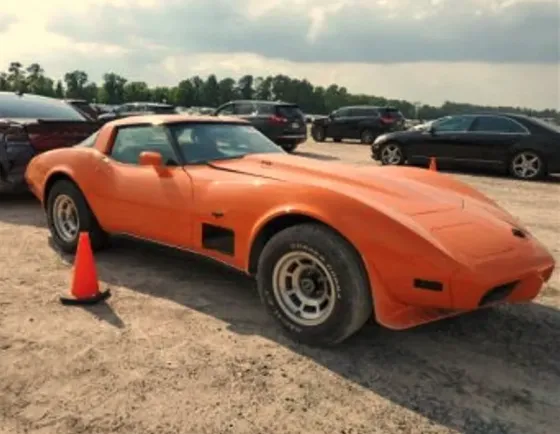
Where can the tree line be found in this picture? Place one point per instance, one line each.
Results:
(212, 91)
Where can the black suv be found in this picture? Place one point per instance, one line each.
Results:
(362, 122)
(136, 109)
(281, 122)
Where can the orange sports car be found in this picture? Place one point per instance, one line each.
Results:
(330, 244)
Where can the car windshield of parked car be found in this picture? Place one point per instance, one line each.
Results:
(204, 142)
(32, 107)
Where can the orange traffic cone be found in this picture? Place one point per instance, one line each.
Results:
(433, 164)
(85, 287)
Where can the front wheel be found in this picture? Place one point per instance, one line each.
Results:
(391, 154)
(313, 283)
(68, 214)
(527, 165)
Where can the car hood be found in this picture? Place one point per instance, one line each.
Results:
(411, 191)
(407, 134)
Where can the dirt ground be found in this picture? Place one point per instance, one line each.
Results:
(183, 346)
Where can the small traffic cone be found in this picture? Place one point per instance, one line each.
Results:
(433, 164)
(85, 286)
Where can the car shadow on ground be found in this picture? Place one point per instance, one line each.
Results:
(21, 209)
(493, 371)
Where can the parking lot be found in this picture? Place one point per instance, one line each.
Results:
(184, 346)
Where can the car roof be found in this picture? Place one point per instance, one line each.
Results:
(150, 103)
(260, 101)
(177, 118)
(11, 95)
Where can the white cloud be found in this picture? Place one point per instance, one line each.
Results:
(135, 49)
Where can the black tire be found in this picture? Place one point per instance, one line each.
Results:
(397, 162)
(318, 133)
(352, 305)
(289, 147)
(337, 139)
(87, 221)
(540, 173)
(367, 136)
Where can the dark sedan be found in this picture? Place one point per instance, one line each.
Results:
(524, 147)
(31, 124)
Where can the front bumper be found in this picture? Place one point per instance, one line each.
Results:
(515, 275)
(291, 138)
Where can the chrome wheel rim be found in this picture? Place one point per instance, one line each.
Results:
(65, 218)
(303, 288)
(526, 165)
(391, 154)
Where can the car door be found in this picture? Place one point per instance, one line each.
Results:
(491, 137)
(141, 200)
(338, 123)
(442, 139)
(358, 119)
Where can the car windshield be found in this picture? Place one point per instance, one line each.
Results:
(204, 142)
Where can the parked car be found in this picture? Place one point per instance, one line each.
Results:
(32, 124)
(281, 122)
(220, 188)
(357, 122)
(85, 107)
(137, 109)
(523, 146)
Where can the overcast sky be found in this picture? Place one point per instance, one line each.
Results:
(499, 52)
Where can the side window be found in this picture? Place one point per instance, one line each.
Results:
(496, 124)
(343, 112)
(244, 108)
(266, 109)
(226, 110)
(363, 112)
(130, 142)
(453, 124)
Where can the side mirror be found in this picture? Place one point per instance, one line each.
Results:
(151, 159)
(431, 129)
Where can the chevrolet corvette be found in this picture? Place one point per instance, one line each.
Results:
(331, 245)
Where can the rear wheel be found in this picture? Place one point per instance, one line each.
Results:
(527, 165)
(68, 214)
(314, 284)
(318, 134)
(289, 147)
(367, 136)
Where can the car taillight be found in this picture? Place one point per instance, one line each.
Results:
(387, 119)
(278, 120)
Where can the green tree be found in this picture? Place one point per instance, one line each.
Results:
(76, 82)
(113, 89)
(16, 77)
(136, 91)
(213, 91)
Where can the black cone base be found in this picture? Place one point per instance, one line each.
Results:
(73, 301)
